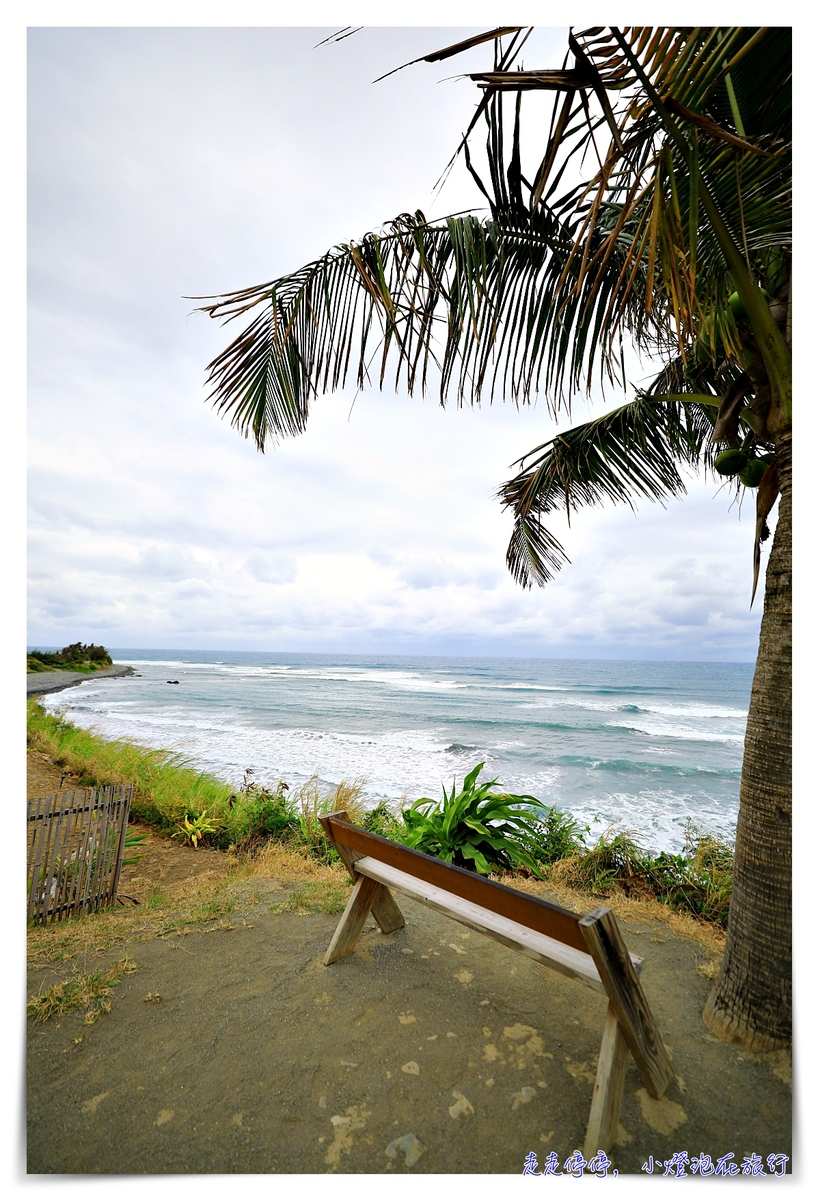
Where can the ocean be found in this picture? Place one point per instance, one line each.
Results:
(647, 746)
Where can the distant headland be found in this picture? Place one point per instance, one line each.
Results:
(51, 671)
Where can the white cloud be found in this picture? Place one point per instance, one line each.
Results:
(176, 162)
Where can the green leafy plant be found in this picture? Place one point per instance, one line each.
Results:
(200, 828)
(132, 840)
(256, 814)
(477, 828)
(559, 836)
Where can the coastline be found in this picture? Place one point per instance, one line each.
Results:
(43, 682)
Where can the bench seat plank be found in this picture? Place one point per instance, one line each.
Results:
(574, 963)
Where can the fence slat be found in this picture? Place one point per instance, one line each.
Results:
(51, 855)
(35, 850)
(75, 847)
(121, 826)
(84, 882)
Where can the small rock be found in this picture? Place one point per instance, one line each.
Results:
(524, 1096)
(409, 1146)
(410, 1068)
(462, 1107)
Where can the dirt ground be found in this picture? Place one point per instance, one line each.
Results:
(232, 1048)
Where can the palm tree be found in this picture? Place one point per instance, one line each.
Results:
(678, 239)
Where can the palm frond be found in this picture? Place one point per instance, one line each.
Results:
(633, 452)
(486, 307)
(689, 201)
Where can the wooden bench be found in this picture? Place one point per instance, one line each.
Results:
(588, 949)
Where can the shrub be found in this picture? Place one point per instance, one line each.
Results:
(559, 836)
(74, 655)
(477, 828)
(699, 880)
(615, 861)
(382, 820)
(257, 814)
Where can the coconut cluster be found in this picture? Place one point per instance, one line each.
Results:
(749, 467)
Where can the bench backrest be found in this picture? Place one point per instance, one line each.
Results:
(530, 911)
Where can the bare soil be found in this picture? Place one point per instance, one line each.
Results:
(233, 1048)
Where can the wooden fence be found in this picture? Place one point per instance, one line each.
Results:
(75, 845)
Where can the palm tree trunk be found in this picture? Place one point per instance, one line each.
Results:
(751, 1001)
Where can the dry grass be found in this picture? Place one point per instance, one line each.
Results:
(90, 992)
(290, 864)
(310, 803)
(629, 908)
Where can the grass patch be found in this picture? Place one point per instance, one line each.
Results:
(194, 806)
(219, 905)
(327, 896)
(156, 898)
(165, 789)
(90, 992)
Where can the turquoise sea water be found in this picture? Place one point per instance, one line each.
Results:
(646, 744)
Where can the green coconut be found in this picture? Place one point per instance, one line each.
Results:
(752, 473)
(734, 300)
(730, 462)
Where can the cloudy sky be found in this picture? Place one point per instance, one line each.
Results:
(173, 162)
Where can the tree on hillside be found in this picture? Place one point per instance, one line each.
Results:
(657, 211)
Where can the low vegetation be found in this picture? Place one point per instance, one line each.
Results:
(477, 827)
(79, 991)
(76, 657)
(698, 881)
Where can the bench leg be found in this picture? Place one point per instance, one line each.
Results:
(608, 1088)
(345, 938)
(386, 912)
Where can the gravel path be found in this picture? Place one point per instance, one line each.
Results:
(431, 1050)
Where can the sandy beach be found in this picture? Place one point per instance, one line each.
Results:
(39, 683)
